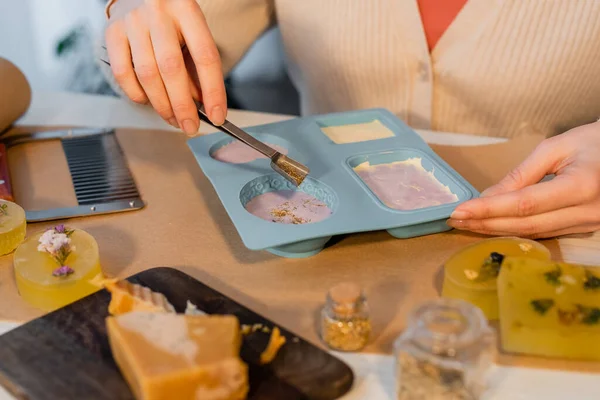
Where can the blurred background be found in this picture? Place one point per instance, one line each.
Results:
(53, 43)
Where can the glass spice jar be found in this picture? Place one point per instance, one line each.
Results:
(445, 352)
(345, 320)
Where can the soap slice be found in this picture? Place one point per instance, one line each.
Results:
(471, 273)
(549, 309)
(175, 356)
(127, 297)
(12, 226)
(43, 282)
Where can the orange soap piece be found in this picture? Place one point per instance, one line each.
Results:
(275, 343)
(165, 356)
(127, 297)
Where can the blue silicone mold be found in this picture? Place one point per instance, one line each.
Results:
(355, 208)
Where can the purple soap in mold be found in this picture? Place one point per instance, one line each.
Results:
(237, 152)
(405, 185)
(288, 207)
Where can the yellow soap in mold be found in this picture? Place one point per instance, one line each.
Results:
(12, 226)
(36, 269)
(464, 277)
(549, 309)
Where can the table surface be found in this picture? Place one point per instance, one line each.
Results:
(67, 109)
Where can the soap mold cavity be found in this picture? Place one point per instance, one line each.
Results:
(317, 189)
(344, 120)
(264, 137)
(439, 172)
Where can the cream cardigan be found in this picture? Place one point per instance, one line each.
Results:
(502, 68)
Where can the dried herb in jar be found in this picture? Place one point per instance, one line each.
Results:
(345, 320)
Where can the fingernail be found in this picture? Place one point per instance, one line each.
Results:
(190, 127)
(456, 223)
(460, 215)
(488, 192)
(217, 116)
(173, 122)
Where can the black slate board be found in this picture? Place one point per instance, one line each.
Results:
(65, 354)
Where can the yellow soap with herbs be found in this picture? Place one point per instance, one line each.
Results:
(56, 267)
(471, 273)
(175, 356)
(549, 309)
(13, 225)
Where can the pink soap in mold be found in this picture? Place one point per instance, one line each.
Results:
(405, 185)
(288, 207)
(237, 152)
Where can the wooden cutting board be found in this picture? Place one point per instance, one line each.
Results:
(65, 354)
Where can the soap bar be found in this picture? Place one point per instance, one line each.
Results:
(549, 309)
(471, 273)
(127, 297)
(175, 356)
(12, 226)
(353, 133)
(56, 267)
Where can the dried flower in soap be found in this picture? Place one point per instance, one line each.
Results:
(592, 282)
(553, 277)
(4, 209)
(57, 243)
(541, 306)
(63, 271)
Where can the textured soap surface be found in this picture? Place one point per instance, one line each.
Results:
(549, 309)
(405, 185)
(127, 297)
(190, 356)
(288, 207)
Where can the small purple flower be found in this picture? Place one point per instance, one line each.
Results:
(59, 228)
(63, 271)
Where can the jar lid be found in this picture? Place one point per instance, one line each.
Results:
(345, 292)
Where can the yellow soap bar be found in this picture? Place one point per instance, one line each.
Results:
(471, 274)
(166, 356)
(12, 226)
(127, 297)
(549, 309)
(35, 270)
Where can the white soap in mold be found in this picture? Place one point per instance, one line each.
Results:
(353, 133)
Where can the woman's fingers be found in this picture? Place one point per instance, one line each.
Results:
(145, 66)
(542, 161)
(530, 200)
(205, 55)
(535, 225)
(173, 72)
(117, 46)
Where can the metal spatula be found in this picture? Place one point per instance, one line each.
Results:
(290, 169)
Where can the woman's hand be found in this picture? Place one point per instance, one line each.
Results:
(521, 205)
(144, 39)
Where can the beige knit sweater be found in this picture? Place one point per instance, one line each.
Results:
(503, 67)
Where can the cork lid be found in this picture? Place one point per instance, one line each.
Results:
(345, 294)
